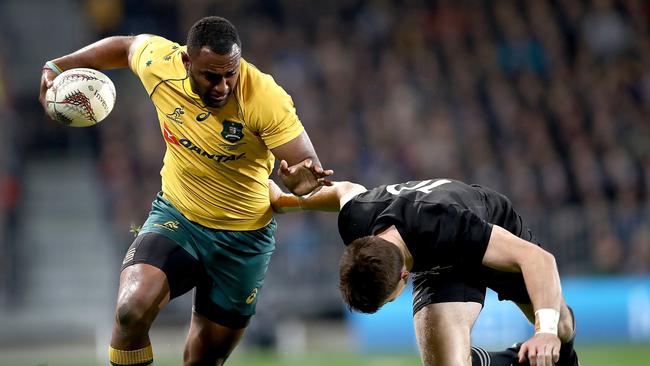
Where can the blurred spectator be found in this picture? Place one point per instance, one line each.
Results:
(639, 258)
(605, 31)
(607, 251)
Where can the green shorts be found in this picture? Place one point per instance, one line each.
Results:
(226, 267)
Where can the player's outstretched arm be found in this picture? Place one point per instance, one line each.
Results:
(108, 53)
(326, 198)
(507, 252)
(300, 170)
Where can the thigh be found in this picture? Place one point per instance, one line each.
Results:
(181, 270)
(236, 267)
(443, 332)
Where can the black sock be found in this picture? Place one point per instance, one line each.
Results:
(481, 357)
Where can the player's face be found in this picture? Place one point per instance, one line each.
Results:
(401, 285)
(213, 76)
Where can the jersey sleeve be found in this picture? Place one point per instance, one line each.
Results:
(272, 113)
(344, 222)
(356, 218)
(151, 60)
(351, 224)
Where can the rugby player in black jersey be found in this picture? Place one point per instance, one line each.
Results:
(454, 240)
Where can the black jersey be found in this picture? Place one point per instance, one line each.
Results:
(443, 222)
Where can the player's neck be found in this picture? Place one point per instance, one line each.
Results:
(391, 234)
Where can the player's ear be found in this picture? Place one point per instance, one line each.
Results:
(186, 60)
(404, 275)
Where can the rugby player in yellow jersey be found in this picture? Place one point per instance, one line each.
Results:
(211, 226)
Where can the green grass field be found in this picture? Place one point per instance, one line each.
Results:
(606, 355)
(620, 355)
(627, 355)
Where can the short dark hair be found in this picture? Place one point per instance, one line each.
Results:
(217, 33)
(370, 269)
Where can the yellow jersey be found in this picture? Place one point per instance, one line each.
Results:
(217, 162)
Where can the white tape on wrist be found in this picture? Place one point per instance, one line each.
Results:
(546, 321)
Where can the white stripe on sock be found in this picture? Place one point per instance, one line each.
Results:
(483, 356)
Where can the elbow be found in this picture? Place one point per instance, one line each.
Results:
(549, 258)
(545, 259)
(536, 259)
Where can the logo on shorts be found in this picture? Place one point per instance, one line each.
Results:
(169, 225)
(129, 256)
(251, 297)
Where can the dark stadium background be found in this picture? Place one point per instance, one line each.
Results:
(546, 101)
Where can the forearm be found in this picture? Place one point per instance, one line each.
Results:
(507, 252)
(108, 53)
(543, 281)
(325, 198)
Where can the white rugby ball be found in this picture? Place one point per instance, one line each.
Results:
(80, 97)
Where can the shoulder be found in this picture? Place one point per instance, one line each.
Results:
(256, 86)
(149, 52)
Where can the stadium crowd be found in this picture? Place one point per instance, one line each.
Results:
(547, 101)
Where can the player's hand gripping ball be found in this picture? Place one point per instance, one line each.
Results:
(80, 97)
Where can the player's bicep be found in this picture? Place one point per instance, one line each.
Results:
(506, 251)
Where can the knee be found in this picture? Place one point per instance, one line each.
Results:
(134, 315)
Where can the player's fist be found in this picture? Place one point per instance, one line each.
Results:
(47, 79)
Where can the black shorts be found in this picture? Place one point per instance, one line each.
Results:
(461, 286)
(469, 284)
(183, 272)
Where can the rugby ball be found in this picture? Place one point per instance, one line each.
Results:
(80, 97)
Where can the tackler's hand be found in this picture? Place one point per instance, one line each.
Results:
(543, 349)
(274, 195)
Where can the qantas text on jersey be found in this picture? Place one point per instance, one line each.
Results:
(197, 150)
